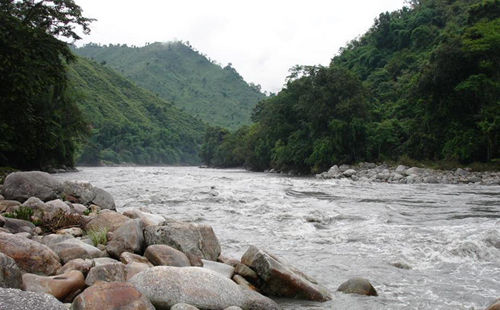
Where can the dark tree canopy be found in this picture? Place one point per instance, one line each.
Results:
(40, 123)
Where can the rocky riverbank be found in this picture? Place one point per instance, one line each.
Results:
(401, 174)
(64, 245)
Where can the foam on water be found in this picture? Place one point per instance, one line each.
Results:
(423, 246)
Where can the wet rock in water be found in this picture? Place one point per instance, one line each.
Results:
(82, 265)
(58, 286)
(349, 172)
(281, 279)
(495, 305)
(220, 268)
(111, 296)
(23, 185)
(17, 226)
(166, 286)
(30, 256)
(358, 286)
(127, 238)
(74, 248)
(108, 220)
(10, 274)
(128, 258)
(401, 265)
(148, 219)
(183, 306)
(108, 273)
(14, 299)
(191, 239)
(164, 255)
(9, 205)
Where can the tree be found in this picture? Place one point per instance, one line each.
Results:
(40, 124)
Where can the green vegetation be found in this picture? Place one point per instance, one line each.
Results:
(39, 121)
(130, 124)
(98, 236)
(422, 84)
(183, 76)
(23, 213)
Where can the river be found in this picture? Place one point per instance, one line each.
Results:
(422, 246)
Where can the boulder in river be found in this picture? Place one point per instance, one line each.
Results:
(128, 237)
(147, 219)
(111, 296)
(14, 299)
(166, 286)
(358, 286)
(31, 256)
(85, 193)
(58, 286)
(23, 185)
(107, 220)
(192, 239)
(224, 270)
(10, 274)
(281, 279)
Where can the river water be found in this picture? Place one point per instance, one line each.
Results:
(422, 246)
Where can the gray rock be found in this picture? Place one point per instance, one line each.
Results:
(82, 265)
(164, 255)
(104, 261)
(109, 221)
(128, 258)
(401, 169)
(52, 239)
(82, 191)
(183, 306)
(192, 239)
(9, 205)
(147, 219)
(103, 199)
(30, 256)
(14, 299)
(127, 238)
(134, 268)
(74, 248)
(78, 208)
(1, 196)
(108, 273)
(10, 274)
(349, 172)
(243, 283)
(18, 226)
(414, 171)
(53, 208)
(23, 185)
(344, 167)
(281, 279)
(358, 286)
(166, 286)
(233, 308)
(224, 270)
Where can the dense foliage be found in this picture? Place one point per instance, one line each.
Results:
(183, 76)
(422, 83)
(130, 124)
(39, 121)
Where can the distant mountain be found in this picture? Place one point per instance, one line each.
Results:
(130, 124)
(183, 76)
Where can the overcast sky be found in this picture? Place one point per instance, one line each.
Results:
(262, 39)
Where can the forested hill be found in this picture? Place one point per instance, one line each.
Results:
(130, 124)
(181, 75)
(422, 83)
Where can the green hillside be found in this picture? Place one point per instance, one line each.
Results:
(130, 124)
(423, 83)
(181, 75)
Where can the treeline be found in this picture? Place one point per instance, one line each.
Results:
(422, 83)
(40, 124)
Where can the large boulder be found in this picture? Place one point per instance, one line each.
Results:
(495, 305)
(358, 286)
(58, 286)
(192, 239)
(74, 248)
(106, 220)
(108, 273)
(14, 299)
(281, 279)
(148, 219)
(9, 205)
(10, 274)
(111, 296)
(127, 238)
(23, 185)
(16, 226)
(85, 193)
(31, 256)
(54, 208)
(164, 255)
(166, 286)
(224, 270)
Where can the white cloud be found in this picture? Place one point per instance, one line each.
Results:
(262, 39)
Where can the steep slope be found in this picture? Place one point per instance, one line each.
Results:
(130, 124)
(184, 77)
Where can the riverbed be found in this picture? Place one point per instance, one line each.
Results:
(422, 246)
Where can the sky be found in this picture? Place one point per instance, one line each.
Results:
(261, 39)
